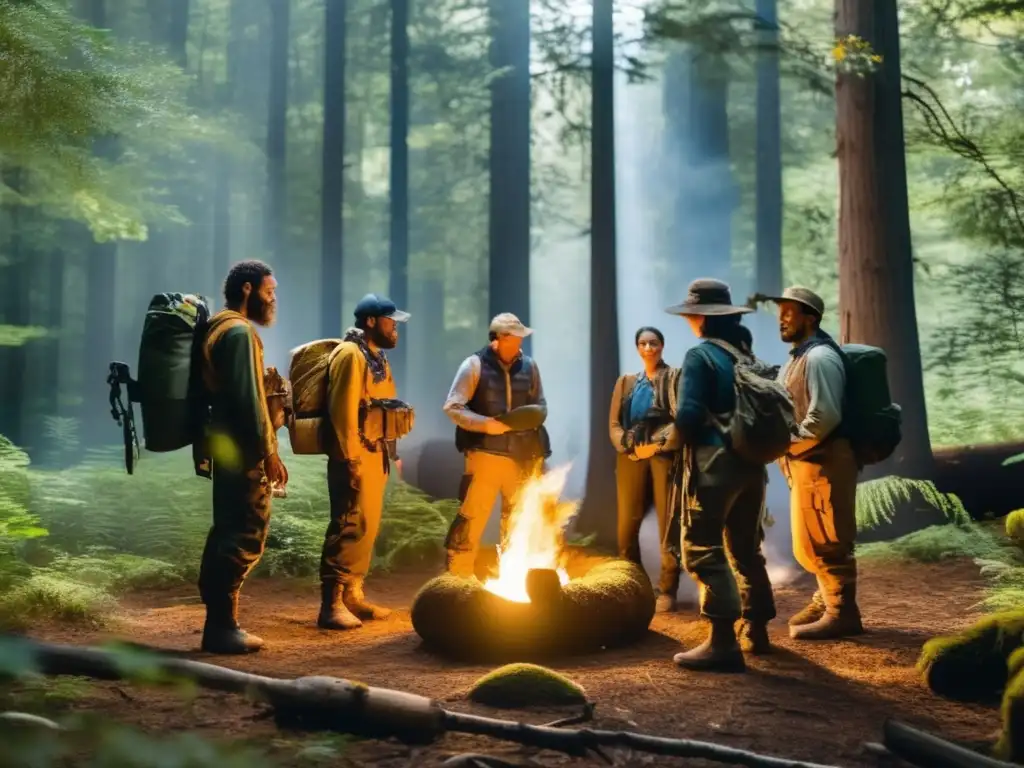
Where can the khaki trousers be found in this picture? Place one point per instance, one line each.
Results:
(486, 476)
(823, 512)
(357, 503)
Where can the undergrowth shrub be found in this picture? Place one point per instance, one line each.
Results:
(879, 501)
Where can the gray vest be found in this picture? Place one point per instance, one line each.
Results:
(500, 391)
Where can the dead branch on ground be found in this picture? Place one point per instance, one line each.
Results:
(333, 704)
(918, 747)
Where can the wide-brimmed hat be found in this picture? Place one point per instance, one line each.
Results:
(707, 297)
(508, 323)
(801, 295)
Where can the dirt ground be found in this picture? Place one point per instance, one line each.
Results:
(814, 702)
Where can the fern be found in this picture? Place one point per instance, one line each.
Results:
(879, 500)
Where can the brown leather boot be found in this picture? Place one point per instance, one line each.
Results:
(333, 613)
(754, 638)
(719, 653)
(832, 626)
(813, 611)
(221, 633)
(356, 602)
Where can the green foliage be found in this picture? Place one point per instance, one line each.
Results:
(526, 685)
(938, 542)
(878, 501)
(1011, 737)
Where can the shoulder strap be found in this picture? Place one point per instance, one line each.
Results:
(733, 351)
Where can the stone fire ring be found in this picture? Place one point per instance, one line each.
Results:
(607, 603)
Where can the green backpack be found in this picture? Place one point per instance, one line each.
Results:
(169, 387)
(872, 421)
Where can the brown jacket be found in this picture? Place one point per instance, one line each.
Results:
(666, 383)
(350, 385)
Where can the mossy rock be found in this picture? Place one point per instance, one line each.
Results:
(607, 603)
(1011, 739)
(972, 665)
(1015, 527)
(526, 685)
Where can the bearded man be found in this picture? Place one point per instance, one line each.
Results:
(244, 463)
(366, 420)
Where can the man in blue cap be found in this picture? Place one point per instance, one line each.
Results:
(366, 421)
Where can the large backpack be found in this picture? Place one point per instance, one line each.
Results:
(307, 373)
(169, 388)
(872, 421)
(762, 425)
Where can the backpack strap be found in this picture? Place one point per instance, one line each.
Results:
(735, 353)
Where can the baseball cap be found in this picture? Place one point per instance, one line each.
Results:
(508, 323)
(372, 305)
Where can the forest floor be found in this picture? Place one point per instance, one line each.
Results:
(816, 702)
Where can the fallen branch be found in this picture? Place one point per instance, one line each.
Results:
(328, 703)
(929, 751)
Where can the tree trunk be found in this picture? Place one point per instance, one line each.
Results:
(275, 213)
(696, 89)
(598, 510)
(101, 283)
(509, 229)
(876, 281)
(16, 313)
(768, 269)
(332, 183)
(399, 168)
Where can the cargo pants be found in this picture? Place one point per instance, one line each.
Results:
(636, 481)
(486, 476)
(357, 503)
(823, 515)
(722, 534)
(241, 521)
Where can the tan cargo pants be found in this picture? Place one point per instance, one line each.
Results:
(823, 512)
(486, 476)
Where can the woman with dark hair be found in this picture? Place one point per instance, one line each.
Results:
(641, 427)
(721, 495)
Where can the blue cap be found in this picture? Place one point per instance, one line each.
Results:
(372, 305)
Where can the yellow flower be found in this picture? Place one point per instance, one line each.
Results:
(876, 58)
(839, 52)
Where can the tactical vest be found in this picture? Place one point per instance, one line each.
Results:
(499, 391)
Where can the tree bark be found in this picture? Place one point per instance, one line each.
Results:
(597, 513)
(876, 281)
(399, 182)
(101, 284)
(332, 183)
(509, 280)
(275, 213)
(768, 269)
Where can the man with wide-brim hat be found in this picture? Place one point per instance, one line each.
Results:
(721, 496)
(821, 469)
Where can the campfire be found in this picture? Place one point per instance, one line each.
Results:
(535, 539)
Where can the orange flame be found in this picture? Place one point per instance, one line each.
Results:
(535, 535)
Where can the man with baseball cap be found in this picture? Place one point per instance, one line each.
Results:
(498, 407)
(821, 469)
(366, 421)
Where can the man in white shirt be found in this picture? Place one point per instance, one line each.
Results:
(821, 470)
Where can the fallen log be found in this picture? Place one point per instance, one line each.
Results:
(977, 474)
(929, 751)
(327, 703)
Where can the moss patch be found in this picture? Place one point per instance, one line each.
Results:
(526, 685)
(1015, 527)
(972, 665)
(1011, 738)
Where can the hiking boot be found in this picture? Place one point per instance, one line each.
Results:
(754, 638)
(719, 653)
(356, 602)
(831, 626)
(333, 613)
(665, 604)
(813, 611)
(221, 633)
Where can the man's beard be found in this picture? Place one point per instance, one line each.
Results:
(379, 339)
(259, 311)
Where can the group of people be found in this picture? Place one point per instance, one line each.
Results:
(665, 424)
